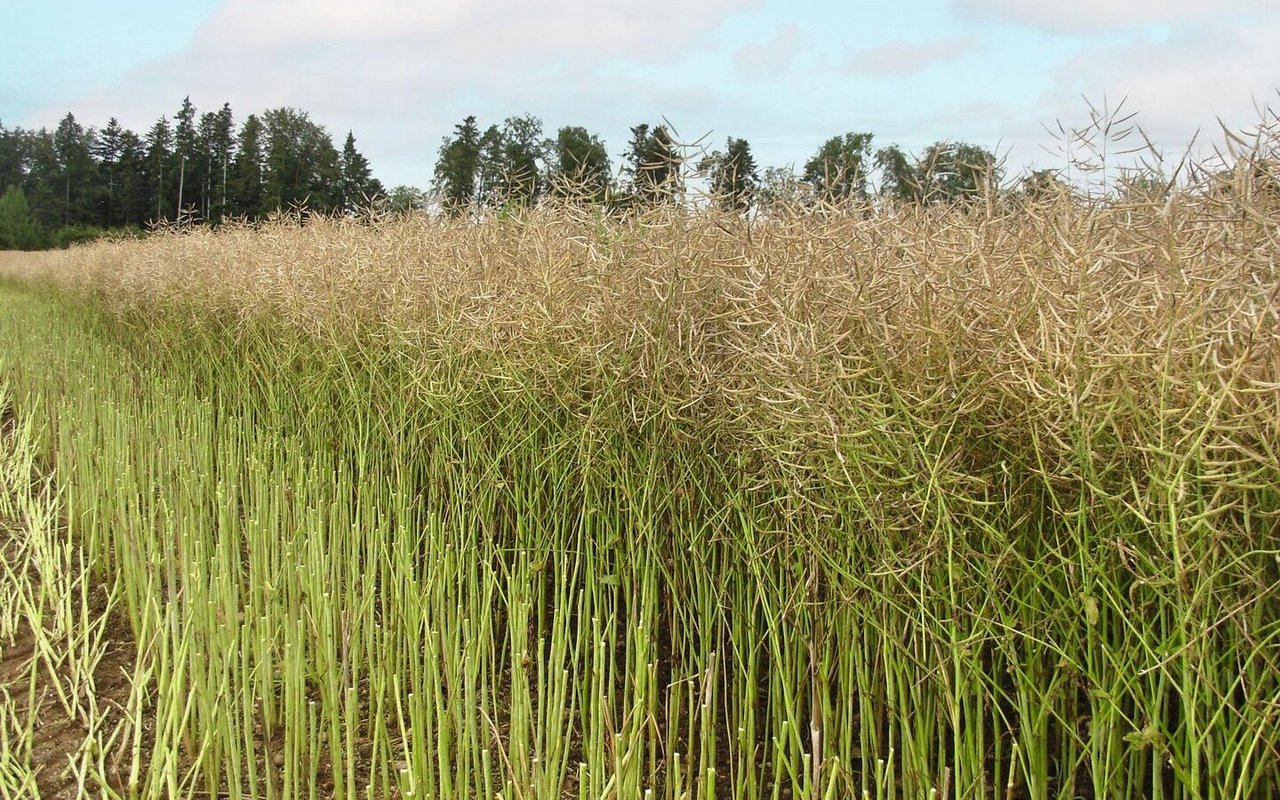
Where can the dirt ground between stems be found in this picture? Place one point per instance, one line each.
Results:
(57, 736)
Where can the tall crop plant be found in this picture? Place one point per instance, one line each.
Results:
(960, 502)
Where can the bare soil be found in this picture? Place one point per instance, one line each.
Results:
(57, 737)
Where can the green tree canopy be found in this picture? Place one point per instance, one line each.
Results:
(131, 190)
(109, 152)
(187, 158)
(45, 184)
(158, 169)
(899, 179)
(733, 174)
(1042, 184)
(78, 177)
(221, 145)
(580, 165)
(654, 164)
(490, 168)
(838, 171)
(510, 167)
(357, 187)
(212, 164)
(950, 171)
(301, 163)
(73, 146)
(781, 189)
(406, 199)
(524, 153)
(457, 165)
(248, 190)
(13, 156)
(18, 227)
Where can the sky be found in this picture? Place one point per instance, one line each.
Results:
(1009, 75)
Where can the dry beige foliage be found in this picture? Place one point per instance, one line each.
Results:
(1139, 326)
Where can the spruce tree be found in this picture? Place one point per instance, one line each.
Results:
(358, 187)
(457, 165)
(44, 184)
(13, 148)
(108, 150)
(186, 155)
(73, 146)
(131, 182)
(733, 174)
(246, 184)
(222, 148)
(654, 165)
(159, 172)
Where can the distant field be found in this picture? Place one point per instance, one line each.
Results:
(949, 502)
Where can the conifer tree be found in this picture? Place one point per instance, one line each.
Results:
(358, 187)
(733, 174)
(654, 165)
(73, 147)
(158, 168)
(246, 184)
(186, 155)
(18, 227)
(457, 165)
(108, 150)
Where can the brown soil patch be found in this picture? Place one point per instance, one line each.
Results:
(56, 736)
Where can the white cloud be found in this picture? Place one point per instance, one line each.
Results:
(498, 31)
(905, 58)
(1098, 15)
(1176, 85)
(764, 59)
(401, 74)
(381, 67)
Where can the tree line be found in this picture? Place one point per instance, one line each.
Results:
(74, 181)
(515, 164)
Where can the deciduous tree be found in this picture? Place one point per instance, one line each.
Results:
(406, 199)
(838, 171)
(580, 165)
(524, 153)
(781, 189)
(301, 163)
(899, 179)
(951, 171)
